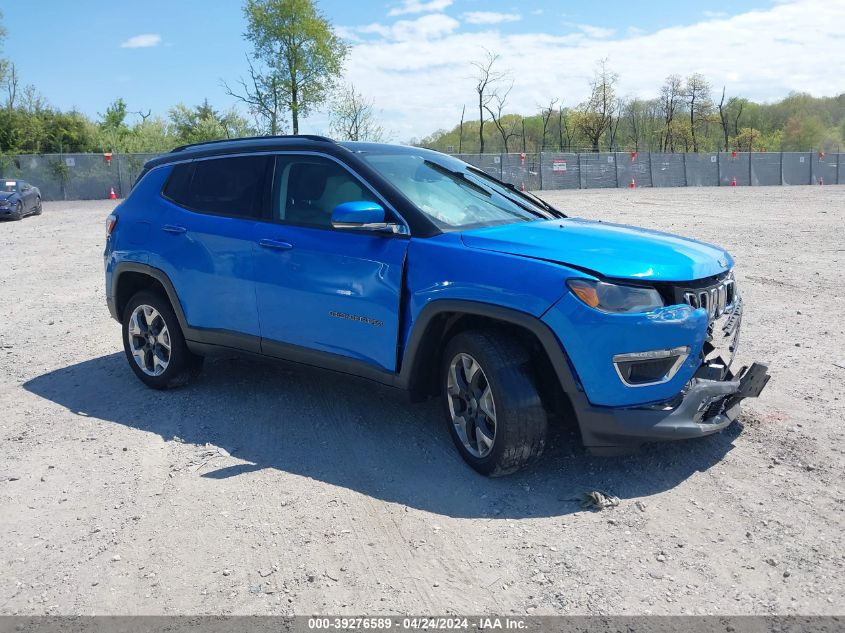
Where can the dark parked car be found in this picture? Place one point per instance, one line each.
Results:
(19, 198)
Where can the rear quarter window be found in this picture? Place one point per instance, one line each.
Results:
(236, 187)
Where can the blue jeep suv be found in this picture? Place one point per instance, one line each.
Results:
(415, 270)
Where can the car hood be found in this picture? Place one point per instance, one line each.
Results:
(612, 250)
(5, 195)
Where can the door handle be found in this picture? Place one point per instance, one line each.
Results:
(172, 228)
(275, 244)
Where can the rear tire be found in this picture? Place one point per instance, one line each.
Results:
(492, 405)
(154, 344)
(38, 207)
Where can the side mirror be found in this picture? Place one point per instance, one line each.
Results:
(361, 215)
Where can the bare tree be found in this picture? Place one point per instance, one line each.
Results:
(486, 79)
(596, 114)
(353, 118)
(700, 107)
(461, 132)
(613, 129)
(265, 96)
(734, 101)
(144, 115)
(547, 115)
(507, 130)
(670, 96)
(11, 81)
(723, 117)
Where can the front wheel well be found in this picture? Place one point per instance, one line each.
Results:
(130, 283)
(425, 379)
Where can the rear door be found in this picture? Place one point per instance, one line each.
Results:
(208, 233)
(320, 288)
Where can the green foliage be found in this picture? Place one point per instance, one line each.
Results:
(298, 50)
(204, 123)
(799, 122)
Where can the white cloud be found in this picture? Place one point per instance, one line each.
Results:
(145, 40)
(490, 17)
(428, 27)
(597, 32)
(419, 73)
(714, 14)
(419, 6)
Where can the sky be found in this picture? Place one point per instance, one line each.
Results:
(412, 57)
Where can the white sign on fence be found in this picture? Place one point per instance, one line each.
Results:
(70, 161)
(801, 159)
(497, 159)
(558, 165)
(610, 159)
(713, 158)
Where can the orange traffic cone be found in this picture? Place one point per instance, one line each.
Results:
(632, 184)
(733, 182)
(112, 194)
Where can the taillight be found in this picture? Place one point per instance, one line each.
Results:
(111, 222)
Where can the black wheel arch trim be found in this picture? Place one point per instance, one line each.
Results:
(412, 366)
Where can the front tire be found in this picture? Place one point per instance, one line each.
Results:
(493, 408)
(18, 213)
(154, 344)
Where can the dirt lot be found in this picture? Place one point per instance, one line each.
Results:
(271, 489)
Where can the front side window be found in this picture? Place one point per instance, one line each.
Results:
(233, 186)
(453, 199)
(308, 188)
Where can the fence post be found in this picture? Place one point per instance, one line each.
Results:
(650, 170)
(838, 156)
(541, 171)
(119, 176)
(719, 169)
(781, 168)
(580, 175)
(616, 167)
(502, 167)
(749, 168)
(686, 178)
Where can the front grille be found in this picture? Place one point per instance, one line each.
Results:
(719, 297)
(716, 297)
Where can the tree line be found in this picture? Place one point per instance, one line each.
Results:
(686, 115)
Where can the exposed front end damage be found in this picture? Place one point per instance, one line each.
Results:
(709, 399)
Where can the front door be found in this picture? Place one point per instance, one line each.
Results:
(321, 288)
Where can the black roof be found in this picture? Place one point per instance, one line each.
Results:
(248, 144)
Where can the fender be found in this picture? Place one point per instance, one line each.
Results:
(196, 338)
(417, 353)
(159, 275)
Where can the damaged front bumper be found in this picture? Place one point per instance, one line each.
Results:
(706, 405)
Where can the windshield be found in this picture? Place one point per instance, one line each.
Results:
(10, 186)
(455, 199)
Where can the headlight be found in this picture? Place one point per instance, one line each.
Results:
(615, 298)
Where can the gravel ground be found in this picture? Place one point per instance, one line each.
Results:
(271, 489)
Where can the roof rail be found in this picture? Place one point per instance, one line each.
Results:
(310, 137)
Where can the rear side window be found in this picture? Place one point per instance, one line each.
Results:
(236, 187)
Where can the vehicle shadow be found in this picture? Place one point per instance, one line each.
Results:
(362, 436)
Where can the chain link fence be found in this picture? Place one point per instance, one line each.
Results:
(75, 176)
(592, 170)
(92, 176)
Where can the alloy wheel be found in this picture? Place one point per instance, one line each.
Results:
(149, 340)
(471, 405)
